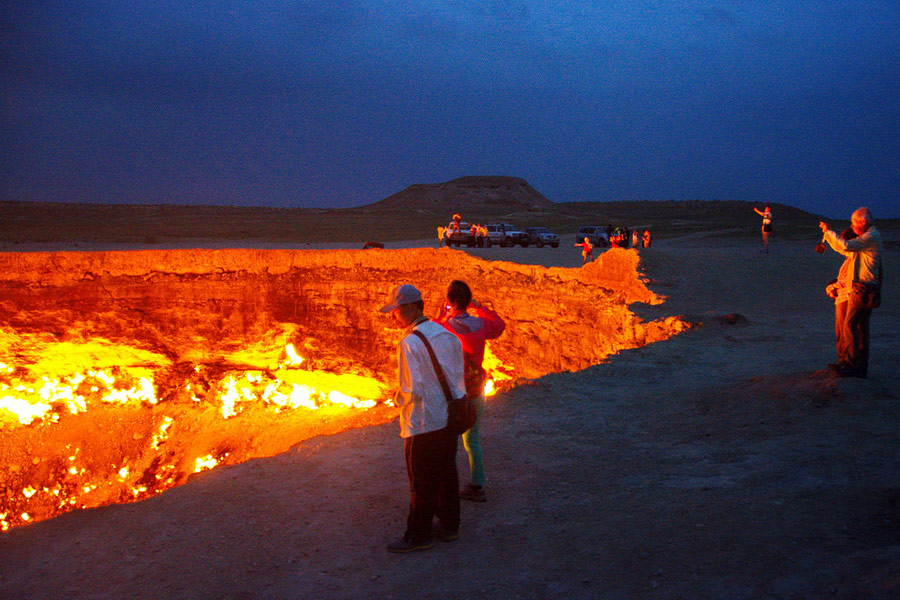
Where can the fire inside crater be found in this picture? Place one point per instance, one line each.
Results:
(123, 373)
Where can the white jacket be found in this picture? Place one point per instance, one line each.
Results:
(423, 405)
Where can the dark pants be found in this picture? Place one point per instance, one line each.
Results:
(851, 324)
(433, 483)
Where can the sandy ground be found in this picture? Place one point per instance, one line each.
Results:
(722, 463)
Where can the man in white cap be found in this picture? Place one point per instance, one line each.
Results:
(856, 292)
(429, 448)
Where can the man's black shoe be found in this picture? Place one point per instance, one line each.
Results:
(402, 546)
(445, 535)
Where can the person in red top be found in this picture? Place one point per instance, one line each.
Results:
(472, 331)
(587, 251)
(766, 225)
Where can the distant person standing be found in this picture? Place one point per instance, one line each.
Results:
(455, 223)
(473, 331)
(647, 238)
(635, 239)
(428, 446)
(766, 225)
(587, 251)
(856, 292)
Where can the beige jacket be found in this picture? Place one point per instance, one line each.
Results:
(862, 260)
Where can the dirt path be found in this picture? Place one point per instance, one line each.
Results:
(722, 463)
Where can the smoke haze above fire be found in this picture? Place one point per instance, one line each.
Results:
(323, 104)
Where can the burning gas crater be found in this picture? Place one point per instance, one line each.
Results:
(124, 373)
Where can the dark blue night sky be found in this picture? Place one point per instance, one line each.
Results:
(315, 103)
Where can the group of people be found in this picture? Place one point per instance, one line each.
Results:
(857, 289)
(616, 240)
(454, 343)
(639, 241)
(623, 237)
(476, 231)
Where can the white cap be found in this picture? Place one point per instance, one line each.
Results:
(401, 294)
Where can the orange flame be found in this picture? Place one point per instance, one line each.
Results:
(497, 372)
(47, 396)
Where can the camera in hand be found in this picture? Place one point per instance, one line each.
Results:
(846, 235)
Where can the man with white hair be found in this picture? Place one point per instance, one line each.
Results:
(856, 292)
(429, 447)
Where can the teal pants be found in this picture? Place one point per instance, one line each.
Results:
(472, 444)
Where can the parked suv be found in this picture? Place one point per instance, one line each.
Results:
(505, 234)
(596, 234)
(540, 236)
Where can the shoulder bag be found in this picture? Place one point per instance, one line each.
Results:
(461, 412)
(869, 293)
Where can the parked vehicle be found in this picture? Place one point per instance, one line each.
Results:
(596, 234)
(505, 234)
(539, 236)
(458, 238)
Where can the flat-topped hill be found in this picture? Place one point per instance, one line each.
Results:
(476, 194)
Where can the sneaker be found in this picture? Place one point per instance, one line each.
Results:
(402, 546)
(445, 535)
(472, 493)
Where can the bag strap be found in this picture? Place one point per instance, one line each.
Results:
(437, 366)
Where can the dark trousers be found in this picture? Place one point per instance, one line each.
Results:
(851, 324)
(433, 483)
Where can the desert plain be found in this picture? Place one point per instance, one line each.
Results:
(725, 462)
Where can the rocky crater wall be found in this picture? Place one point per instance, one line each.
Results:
(202, 305)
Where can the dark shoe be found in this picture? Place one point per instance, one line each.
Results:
(472, 493)
(445, 535)
(402, 546)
